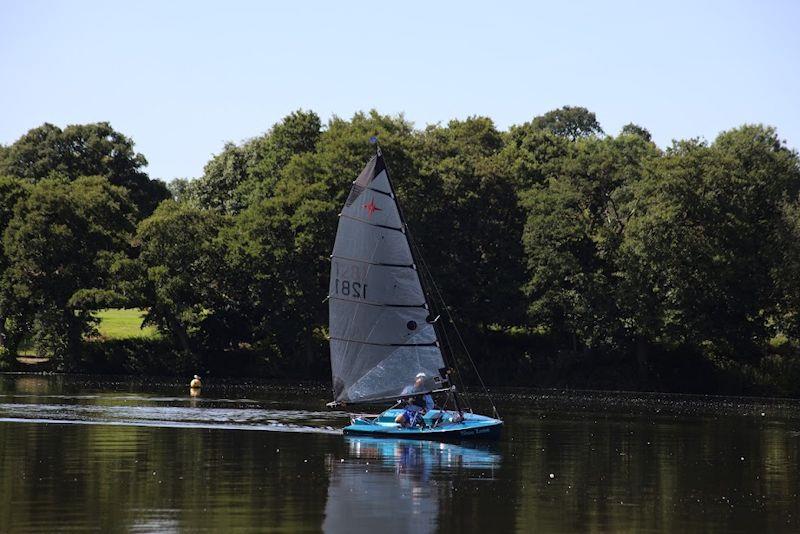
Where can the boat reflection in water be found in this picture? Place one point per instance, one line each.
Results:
(383, 481)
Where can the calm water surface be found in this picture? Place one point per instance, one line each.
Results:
(98, 454)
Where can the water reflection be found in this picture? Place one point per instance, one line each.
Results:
(396, 485)
(32, 385)
(405, 454)
(93, 454)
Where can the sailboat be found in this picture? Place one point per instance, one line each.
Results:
(384, 343)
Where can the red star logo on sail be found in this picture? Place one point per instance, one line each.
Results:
(371, 207)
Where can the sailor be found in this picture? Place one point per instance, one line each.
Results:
(417, 405)
(195, 383)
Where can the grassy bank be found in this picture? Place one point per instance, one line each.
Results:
(113, 325)
(117, 324)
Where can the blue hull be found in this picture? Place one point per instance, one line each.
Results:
(473, 427)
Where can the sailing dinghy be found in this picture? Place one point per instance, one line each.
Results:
(384, 342)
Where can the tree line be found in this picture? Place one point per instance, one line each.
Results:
(563, 251)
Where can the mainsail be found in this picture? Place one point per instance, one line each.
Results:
(381, 337)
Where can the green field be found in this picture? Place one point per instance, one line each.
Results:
(123, 324)
(115, 324)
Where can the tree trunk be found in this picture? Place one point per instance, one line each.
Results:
(309, 348)
(2, 330)
(70, 356)
(178, 330)
(8, 358)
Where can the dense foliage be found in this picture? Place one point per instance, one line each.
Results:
(561, 250)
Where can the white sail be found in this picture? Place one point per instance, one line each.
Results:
(380, 335)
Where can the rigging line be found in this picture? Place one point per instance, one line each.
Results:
(462, 386)
(450, 347)
(407, 232)
(464, 345)
(412, 243)
(428, 277)
(427, 272)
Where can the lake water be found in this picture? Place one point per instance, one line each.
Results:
(132, 455)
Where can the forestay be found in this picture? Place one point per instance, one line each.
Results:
(380, 334)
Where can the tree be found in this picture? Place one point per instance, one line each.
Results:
(83, 150)
(635, 129)
(531, 155)
(241, 175)
(279, 249)
(58, 246)
(787, 273)
(184, 190)
(707, 238)
(12, 191)
(217, 189)
(469, 223)
(179, 274)
(575, 223)
(570, 122)
(296, 134)
(279, 245)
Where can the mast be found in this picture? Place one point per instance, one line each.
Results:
(415, 256)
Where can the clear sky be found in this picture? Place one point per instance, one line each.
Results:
(182, 78)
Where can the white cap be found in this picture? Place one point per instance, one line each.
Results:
(422, 375)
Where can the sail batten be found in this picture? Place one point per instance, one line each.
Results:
(398, 265)
(398, 229)
(381, 336)
(381, 305)
(386, 344)
(380, 192)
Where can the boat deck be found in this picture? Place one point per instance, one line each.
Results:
(439, 426)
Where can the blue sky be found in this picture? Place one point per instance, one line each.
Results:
(182, 78)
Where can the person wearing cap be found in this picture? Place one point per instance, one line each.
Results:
(416, 405)
(195, 383)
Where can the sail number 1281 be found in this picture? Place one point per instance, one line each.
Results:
(346, 288)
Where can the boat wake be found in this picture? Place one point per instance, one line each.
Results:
(252, 419)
